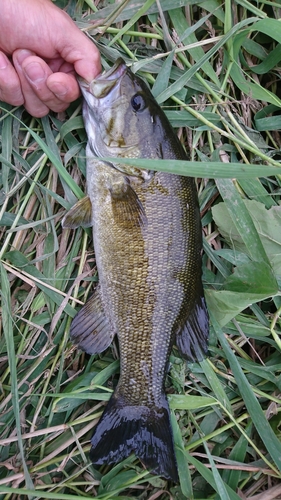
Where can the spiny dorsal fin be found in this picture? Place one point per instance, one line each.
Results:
(90, 329)
(79, 215)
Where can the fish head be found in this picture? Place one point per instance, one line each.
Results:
(121, 119)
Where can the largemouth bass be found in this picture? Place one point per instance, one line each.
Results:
(148, 243)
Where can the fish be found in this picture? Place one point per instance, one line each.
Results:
(148, 244)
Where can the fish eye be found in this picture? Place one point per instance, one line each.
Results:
(138, 102)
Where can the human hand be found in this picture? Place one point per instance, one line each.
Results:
(40, 50)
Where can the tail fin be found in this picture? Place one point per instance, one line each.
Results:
(124, 429)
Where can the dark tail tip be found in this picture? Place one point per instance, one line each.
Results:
(145, 431)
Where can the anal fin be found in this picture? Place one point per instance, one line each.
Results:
(192, 338)
(90, 329)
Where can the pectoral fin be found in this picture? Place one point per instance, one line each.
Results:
(192, 339)
(127, 207)
(79, 215)
(90, 329)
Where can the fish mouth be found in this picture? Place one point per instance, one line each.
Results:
(102, 85)
(117, 70)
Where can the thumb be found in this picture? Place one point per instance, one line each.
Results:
(77, 49)
(88, 67)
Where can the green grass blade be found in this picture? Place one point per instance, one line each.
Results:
(209, 477)
(220, 485)
(270, 440)
(216, 385)
(178, 85)
(187, 36)
(242, 220)
(227, 135)
(211, 170)
(143, 9)
(56, 162)
(9, 338)
(6, 142)
(183, 469)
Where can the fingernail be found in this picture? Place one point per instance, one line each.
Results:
(58, 89)
(34, 72)
(3, 61)
(22, 54)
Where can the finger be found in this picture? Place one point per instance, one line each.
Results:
(64, 87)
(76, 48)
(10, 87)
(33, 83)
(88, 68)
(44, 90)
(62, 82)
(59, 65)
(53, 89)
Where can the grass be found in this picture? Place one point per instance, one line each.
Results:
(215, 69)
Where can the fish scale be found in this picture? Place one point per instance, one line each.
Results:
(148, 243)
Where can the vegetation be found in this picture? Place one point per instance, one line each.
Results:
(215, 68)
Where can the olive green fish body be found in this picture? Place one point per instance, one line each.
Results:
(147, 239)
(145, 273)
